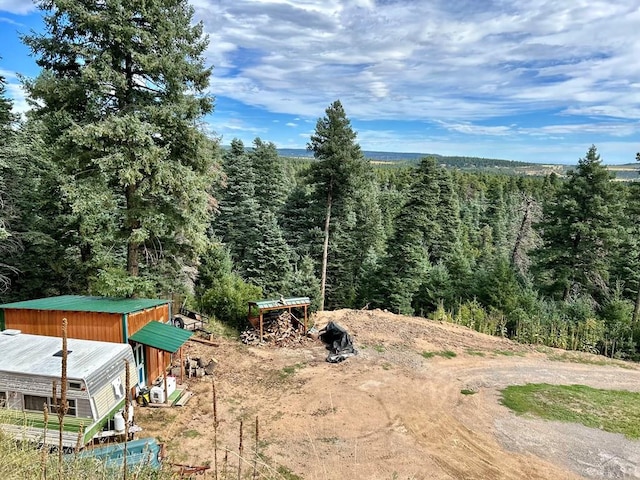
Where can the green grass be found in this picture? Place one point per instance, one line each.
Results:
(616, 411)
(287, 474)
(442, 353)
(468, 391)
(290, 370)
(587, 360)
(221, 329)
(22, 460)
(378, 348)
(191, 433)
(475, 353)
(508, 353)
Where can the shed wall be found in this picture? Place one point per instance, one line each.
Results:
(156, 363)
(106, 327)
(137, 320)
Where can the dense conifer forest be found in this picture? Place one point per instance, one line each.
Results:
(108, 186)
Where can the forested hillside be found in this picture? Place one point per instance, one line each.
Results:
(108, 186)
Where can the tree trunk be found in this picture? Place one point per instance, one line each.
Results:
(325, 252)
(131, 225)
(521, 233)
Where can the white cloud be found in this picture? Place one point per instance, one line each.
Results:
(16, 93)
(455, 61)
(496, 72)
(20, 7)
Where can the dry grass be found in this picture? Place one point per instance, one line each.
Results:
(20, 460)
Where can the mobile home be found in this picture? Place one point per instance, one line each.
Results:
(96, 388)
(118, 320)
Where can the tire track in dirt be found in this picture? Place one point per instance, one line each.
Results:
(390, 413)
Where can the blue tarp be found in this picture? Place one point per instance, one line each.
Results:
(140, 453)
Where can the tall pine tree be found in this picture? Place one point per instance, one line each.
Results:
(337, 174)
(413, 241)
(7, 118)
(270, 182)
(579, 231)
(249, 228)
(121, 93)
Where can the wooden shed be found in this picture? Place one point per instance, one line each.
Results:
(258, 309)
(103, 319)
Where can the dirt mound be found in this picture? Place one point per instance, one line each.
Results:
(397, 409)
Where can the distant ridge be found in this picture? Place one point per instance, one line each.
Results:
(624, 172)
(453, 161)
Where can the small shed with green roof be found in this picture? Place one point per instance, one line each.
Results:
(105, 319)
(258, 309)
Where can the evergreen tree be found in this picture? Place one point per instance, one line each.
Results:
(448, 220)
(269, 262)
(627, 261)
(7, 117)
(7, 244)
(239, 210)
(411, 245)
(220, 291)
(271, 185)
(48, 260)
(250, 230)
(300, 220)
(304, 282)
(579, 231)
(336, 176)
(120, 93)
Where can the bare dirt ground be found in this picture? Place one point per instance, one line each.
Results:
(390, 413)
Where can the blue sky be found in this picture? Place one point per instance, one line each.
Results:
(534, 80)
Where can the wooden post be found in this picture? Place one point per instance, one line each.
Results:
(181, 368)
(164, 372)
(261, 326)
(305, 319)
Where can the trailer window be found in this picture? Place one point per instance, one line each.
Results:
(3, 399)
(75, 385)
(71, 411)
(35, 404)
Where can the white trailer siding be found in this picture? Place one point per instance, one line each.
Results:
(107, 395)
(29, 364)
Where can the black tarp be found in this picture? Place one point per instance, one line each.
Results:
(339, 343)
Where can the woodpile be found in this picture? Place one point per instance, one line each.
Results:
(284, 330)
(199, 367)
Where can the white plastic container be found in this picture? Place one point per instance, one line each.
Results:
(118, 423)
(171, 385)
(157, 394)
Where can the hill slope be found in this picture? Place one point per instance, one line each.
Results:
(392, 413)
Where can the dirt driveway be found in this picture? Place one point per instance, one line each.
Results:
(391, 413)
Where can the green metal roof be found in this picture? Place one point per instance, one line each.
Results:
(282, 302)
(80, 303)
(161, 336)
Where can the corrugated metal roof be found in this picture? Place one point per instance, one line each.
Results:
(161, 336)
(34, 355)
(81, 303)
(282, 302)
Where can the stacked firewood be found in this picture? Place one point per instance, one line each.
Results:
(199, 367)
(283, 330)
